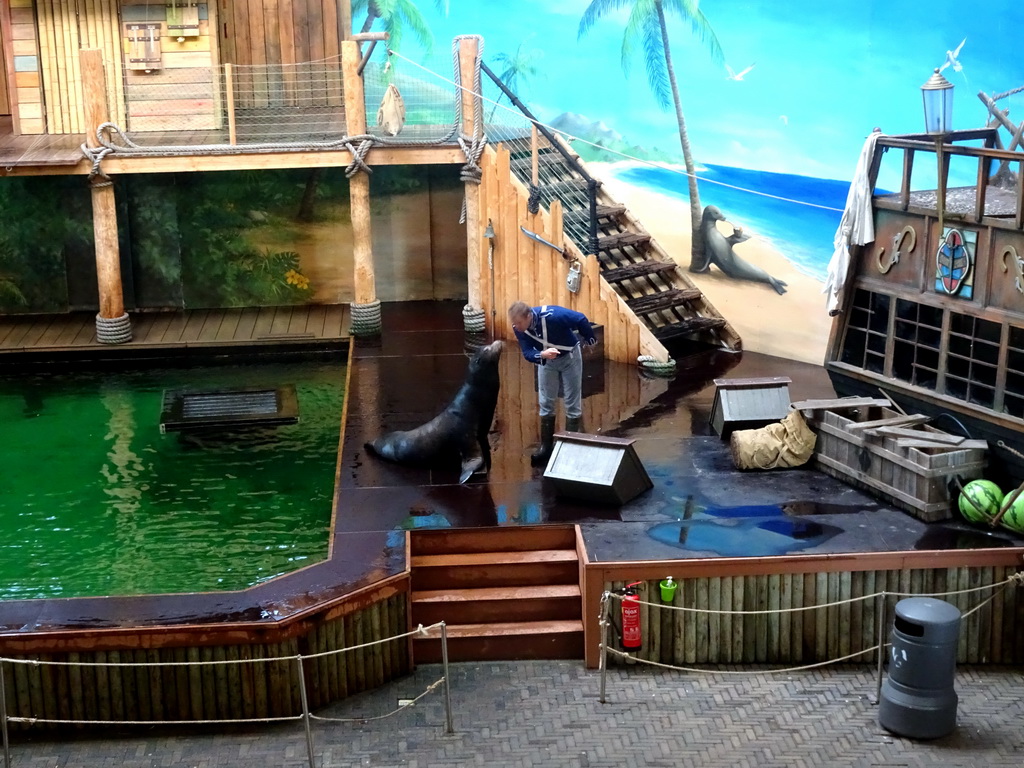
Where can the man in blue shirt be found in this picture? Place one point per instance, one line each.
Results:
(549, 337)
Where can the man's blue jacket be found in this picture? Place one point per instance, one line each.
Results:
(554, 326)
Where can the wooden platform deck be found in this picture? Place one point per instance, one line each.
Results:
(214, 328)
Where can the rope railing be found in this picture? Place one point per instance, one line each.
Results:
(298, 659)
(880, 598)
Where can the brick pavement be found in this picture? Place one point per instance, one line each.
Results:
(547, 714)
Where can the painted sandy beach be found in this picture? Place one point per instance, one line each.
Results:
(794, 325)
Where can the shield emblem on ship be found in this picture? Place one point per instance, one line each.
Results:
(953, 263)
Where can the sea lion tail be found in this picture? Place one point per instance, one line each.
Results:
(778, 285)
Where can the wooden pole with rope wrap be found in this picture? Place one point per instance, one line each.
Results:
(112, 323)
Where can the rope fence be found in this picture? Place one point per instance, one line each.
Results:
(306, 716)
(880, 598)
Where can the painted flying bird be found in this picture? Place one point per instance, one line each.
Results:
(952, 58)
(737, 75)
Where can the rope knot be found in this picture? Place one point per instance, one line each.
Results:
(358, 157)
(473, 149)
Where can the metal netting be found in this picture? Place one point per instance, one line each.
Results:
(431, 101)
(556, 178)
(235, 104)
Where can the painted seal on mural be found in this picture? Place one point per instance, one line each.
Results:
(719, 251)
(457, 435)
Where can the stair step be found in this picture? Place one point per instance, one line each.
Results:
(495, 593)
(506, 641)
(603, 212)
(621, 240)
(543, 158)
(497, 604)
(494, 558)
(494, 569)
(638, 270)
(569, 185)
(512, 539)
(686, 327)
(675, 297)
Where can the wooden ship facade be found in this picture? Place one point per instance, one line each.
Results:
(933, 308)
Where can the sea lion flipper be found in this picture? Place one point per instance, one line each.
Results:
(471, 467)
(778, 285)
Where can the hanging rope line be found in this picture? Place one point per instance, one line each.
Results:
(653, 164)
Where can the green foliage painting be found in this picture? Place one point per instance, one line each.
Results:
(44, 221)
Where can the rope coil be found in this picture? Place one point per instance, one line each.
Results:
(473, 319)
(366, 319)
(113, 330)
(655, 367)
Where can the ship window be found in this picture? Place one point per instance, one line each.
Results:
(973, 359)
(1013, 398)
(867, 331)
(915, 357)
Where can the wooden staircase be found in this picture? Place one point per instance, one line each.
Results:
(640, 271)
(503, 593)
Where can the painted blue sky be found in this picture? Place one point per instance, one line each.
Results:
(825, 73)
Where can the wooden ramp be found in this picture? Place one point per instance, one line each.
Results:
(633, 287)
(504, 594)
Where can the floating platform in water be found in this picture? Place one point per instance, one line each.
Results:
(196, 410)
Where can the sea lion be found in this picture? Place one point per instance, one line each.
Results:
(719, 251)
(448, 438)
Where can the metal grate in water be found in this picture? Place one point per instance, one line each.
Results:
(185, 410)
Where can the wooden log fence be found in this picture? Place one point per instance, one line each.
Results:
(236, 681)
(811, 618)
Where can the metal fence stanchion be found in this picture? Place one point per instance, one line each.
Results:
(880, 613)
(3, 718)
(448, 726)
(305, 712)
(605, 602)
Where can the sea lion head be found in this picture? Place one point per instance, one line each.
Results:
(483, 366)
(711, 214)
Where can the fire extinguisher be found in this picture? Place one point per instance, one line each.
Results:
(631, 637)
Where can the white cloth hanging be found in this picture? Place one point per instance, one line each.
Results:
(856, 227)
(391, 115)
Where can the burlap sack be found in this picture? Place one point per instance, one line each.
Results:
(786, 443)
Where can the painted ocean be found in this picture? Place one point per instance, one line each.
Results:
(802, 233)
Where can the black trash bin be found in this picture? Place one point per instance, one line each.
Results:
(918, 699)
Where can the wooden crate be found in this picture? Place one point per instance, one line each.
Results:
(914, 479)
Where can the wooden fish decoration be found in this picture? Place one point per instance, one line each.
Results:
(391, 115)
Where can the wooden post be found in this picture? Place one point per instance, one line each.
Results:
(345, 19)
(104, 211)
(359, 192)
(468, 51)
(229, 98)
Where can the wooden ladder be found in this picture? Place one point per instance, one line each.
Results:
(504, 594)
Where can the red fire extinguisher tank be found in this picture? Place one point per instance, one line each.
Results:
(631, 636)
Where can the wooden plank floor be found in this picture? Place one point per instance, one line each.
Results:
(242, 328)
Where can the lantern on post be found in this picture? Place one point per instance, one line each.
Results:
(937, 95)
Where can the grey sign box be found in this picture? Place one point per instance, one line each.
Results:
(603, 470)
(749, 403)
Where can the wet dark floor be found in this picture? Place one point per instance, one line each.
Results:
(699, 506)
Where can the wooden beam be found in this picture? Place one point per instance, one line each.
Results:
(104, 209)
(359, 185)
(468, 53)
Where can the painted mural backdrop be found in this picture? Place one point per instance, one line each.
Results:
(231, 239)
(777, 100)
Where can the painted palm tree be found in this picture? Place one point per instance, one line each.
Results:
(514, 69)
(396, 17)
(647, 30)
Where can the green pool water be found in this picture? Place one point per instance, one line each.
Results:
(94, 500)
